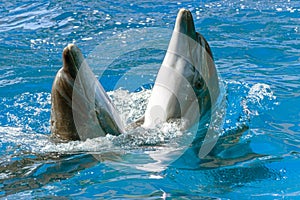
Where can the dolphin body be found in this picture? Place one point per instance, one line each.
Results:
(186, 87)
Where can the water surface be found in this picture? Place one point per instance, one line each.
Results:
(256, 50)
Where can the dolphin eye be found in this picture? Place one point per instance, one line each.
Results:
(199, 84)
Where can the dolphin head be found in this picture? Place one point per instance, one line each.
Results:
(62, 122)
(192, 50)
(80, 107)
(72, 60)
(194, 61)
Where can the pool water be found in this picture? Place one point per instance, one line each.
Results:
(256, 48)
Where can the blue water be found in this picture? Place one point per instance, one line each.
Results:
(256, 48)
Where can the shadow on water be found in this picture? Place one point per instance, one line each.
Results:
(28, 174)
(36, 171)
(228, 151)
(231, 164)
(217, 181)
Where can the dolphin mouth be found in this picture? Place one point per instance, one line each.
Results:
(72, 59)
(185, 23)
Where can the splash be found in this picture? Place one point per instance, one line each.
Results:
(29, 112)
(245, 103)
(258, 98)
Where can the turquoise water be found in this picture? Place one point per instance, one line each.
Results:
(256, 50)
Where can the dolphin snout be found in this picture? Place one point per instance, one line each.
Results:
(184, 14)
(72, 59)
(68, 49)
(185, 23)
(71, 50)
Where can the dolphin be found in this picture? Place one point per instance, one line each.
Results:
(80, 108)
(187, 82)
(186, 87)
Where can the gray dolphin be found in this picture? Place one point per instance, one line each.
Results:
(187, 87)
(80, 108)
(187, 83)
